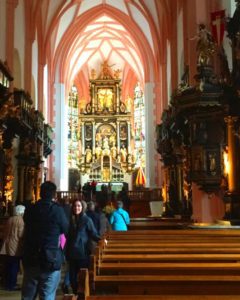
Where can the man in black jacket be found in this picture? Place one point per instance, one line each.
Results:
(44, 221)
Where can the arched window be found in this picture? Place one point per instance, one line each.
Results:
(73, 128)
(139, 126)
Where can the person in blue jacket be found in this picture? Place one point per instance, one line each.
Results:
(119, 219)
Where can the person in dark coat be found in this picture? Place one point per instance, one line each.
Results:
(123, 196)
(44, 222)
(81, 231)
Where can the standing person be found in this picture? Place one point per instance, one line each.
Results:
(94, 215)
(66, 205)
(77, 248)
(12, 246)
(123, 196)
(119, 219)
(44, 221)
(100, 222)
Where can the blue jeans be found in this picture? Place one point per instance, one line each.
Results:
(35, 281)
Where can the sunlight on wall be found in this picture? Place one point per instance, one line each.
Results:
(45, 93)
(17, 70)
(180, 52)
(169, 81)
(35, 72)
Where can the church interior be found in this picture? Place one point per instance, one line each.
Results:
(141, 95)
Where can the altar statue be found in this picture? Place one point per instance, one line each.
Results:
(123, 152)
(106, 71)
(128, 103)
(114, 151)
(98, 151)
(105, 143)
(112, 139)
(105, 98)
(205, 45)
(88, 155)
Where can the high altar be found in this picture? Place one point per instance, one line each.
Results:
(107, 152)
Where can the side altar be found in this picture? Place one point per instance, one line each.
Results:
(107, 148)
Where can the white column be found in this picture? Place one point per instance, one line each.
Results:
(150, 135)
(61, 138)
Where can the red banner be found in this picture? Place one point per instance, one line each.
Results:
(218, 25)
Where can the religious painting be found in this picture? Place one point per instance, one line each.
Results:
(88, 131)
(105, 137)
(105, 100)
(123, 131)
(73, 180)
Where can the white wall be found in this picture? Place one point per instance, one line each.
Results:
(230, 7)
(60, 141)
(35, 70)
(3, 29)
(180, 53)
(169, 75)
(19, 37)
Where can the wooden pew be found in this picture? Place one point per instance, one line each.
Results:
(186, 262)
(172, 249)
(198, 257)
(165, 297)
(169, 284)
(174, 234)
(163, 284)
(168, 268)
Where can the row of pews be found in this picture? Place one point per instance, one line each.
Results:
(164, 264)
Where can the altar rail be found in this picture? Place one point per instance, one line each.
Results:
(140, 201)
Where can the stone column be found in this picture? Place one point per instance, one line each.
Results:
(60, 141)
(150, 135)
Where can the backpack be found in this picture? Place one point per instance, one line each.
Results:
(49, 257)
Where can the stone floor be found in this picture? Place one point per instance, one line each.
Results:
(16, 295)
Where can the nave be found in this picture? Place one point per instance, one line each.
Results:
(193, 263)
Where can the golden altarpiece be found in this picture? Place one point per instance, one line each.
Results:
(105, 130)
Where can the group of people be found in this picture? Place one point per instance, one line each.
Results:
(47, 234)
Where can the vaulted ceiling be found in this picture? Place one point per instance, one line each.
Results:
(77, 35)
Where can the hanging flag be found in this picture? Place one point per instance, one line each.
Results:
(218, 25)
(141, 179)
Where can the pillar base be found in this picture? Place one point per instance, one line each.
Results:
(232, 213)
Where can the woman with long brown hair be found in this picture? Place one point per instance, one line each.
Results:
(81, 231)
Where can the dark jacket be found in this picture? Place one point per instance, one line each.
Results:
(44, 222)
(95, 217)
(81, 231)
